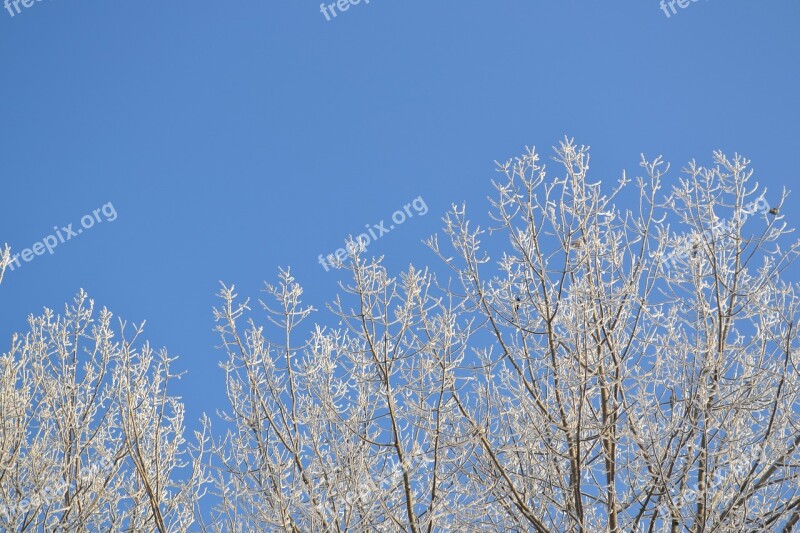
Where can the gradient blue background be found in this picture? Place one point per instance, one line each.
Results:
(236, 137)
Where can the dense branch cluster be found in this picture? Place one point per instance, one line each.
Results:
(90, 441)
(574, 375)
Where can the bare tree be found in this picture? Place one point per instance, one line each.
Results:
(611, 370)
(90, 440)
(640, 371)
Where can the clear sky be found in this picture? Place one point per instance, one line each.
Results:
(231, 138)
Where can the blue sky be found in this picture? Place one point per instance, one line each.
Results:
(233, 138)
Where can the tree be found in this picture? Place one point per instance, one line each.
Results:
(90, 439)
(609, 370)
